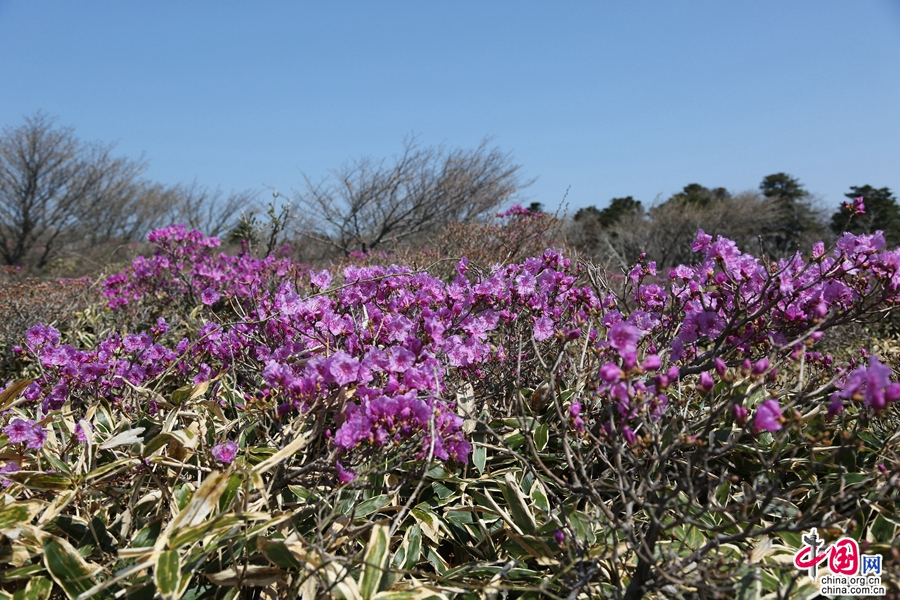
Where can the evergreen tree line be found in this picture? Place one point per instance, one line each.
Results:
(777, 221)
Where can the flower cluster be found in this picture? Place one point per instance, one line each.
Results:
(28, 432)
(871, 385)
(387, 337)
(377, 352)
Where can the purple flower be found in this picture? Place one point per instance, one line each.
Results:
(38, 436)
(209, 296)
(400, 359)
(740, 414)
(40, 334)
(651, 363)
(767, 416)
(343, 367)
(559, 536)
(19, 431)
(624, 338)
(610, 373)
(9, 467)
(321, 280)
(720, 367)
(873, 384)
(575, 409)
(701, 242)
(705, 382)
(835, 407)
(226, 452)
(543, 329)
(760, 366)
(27, 432)
(344, 475)
(857, 207)
(81, 430)
(629, 435)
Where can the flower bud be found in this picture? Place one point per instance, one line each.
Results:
(720, 367)
(705, 382)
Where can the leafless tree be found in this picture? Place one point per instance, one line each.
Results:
(52, 188)
(368, 203)
(210, 211)
(59, 194)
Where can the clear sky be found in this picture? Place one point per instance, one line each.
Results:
(610, 98)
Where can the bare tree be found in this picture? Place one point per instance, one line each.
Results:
(368, 203)
(210, 211)
(51, 185)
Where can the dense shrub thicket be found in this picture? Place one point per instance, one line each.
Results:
(219, 424)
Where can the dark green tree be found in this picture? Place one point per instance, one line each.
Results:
(620, 208)
(592, 224)
(882, 213)
(796, 217)
(698, 195)
(536, 208)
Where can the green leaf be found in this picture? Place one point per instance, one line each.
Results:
(146, 537)
(291, 449)
(518, 504)
(187, 392)
(66, 566)
(722, 493)
(418, 594)
(541, 437)
(18, 513)
(428, 521)
(167, 575)
(185, 437)
(514, 440)
(246, 575)
(58, 465)
(202, 502)
(375, 560)
(277, 553)
(539, 496)
(792, 539)
(38, 588)
(228, 496)
(479, 457)
(582, 524)
(38, 480)
(883, 529)
(182, 496)
(367, 507)
(442, 491)
(413, 547)
(26, 572)
(115, 466)
(186, 536)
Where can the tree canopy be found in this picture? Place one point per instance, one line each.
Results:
(882, 212)
(796, 217)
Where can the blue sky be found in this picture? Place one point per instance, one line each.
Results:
(606, 98)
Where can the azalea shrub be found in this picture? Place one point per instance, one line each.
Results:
(220, 424)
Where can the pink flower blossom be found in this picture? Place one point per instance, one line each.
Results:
(209, 296)
(767, 416)
(226, 452)
(624, 338)
(344, 475)
(543, 329)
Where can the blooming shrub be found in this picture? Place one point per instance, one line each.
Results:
(525, 425)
